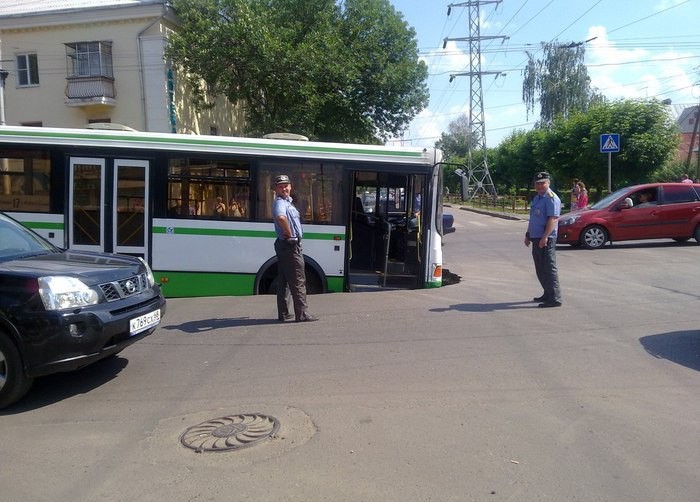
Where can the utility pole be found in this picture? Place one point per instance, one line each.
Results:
(696, 115)
(3, 77)
(478, 176)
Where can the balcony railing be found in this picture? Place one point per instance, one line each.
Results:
(81, 91)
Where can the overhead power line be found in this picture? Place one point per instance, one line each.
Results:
(478, 179)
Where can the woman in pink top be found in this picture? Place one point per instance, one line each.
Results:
(582, 200)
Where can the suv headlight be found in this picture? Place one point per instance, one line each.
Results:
(149, 273)
(569, 219)
(60, 292)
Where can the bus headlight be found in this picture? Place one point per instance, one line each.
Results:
(60, 292)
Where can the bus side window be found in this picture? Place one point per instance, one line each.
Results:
(205, 182)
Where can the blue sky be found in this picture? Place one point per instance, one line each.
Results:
(640, 49)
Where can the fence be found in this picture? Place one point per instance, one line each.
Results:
(503, 203)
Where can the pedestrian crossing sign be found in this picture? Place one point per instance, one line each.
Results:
(609, 143)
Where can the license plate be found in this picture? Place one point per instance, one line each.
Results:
(144, 322)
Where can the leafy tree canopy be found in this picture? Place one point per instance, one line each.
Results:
(559, 82)
(455, 143)
(333, 71)
(570, 148)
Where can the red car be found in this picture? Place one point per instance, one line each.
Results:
(651, 211)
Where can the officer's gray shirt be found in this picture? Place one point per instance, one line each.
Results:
(285, 207)
(543, 207)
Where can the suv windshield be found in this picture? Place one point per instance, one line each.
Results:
(17, 241)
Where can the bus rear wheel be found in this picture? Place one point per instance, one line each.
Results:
(267, 285)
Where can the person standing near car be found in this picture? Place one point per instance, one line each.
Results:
(582, 201)
(290, 260)
(574, 195)
(542, 234)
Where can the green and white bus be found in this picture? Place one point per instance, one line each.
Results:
(198, 208)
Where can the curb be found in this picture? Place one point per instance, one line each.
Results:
(504, 216)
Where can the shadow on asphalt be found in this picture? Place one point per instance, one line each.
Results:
(51, 389)
(486, 307)
(667, 244)
(680, 347)
(204, 325)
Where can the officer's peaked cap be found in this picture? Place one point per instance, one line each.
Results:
(541, 176)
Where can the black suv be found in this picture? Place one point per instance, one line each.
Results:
(62, 310)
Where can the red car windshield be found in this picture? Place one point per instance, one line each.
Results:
(609, 199)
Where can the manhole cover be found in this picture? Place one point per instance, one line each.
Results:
(230, 433)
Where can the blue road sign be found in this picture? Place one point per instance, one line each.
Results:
(609, 143)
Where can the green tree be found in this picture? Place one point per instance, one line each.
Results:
(333, 71)
(648, 140)
(514, 158)
(558, 81)
(670, 172)
(456, 142)
(570, 148)
(455, 145)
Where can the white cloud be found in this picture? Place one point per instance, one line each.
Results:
(450, 59)
(666, 4)
(619, 72)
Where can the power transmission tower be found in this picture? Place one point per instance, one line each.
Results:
(478, 177)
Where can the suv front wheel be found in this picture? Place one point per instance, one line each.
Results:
(13, 382)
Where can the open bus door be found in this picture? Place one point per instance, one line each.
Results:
(386, 249)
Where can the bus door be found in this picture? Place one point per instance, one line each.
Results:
(386, 248)
(108, 205)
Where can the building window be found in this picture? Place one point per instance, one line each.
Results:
(27, 70)
(89, 59)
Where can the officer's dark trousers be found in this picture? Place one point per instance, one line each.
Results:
(291, 273)
(546, 268)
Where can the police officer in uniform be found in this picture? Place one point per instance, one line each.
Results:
(290, 260)
(542, 234)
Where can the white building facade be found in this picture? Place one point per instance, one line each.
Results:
(71, 63)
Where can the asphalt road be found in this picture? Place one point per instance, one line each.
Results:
(465, 393)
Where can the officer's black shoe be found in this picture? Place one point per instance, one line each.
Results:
(539, 299)
(285, 317)
(548, 305)
(307, 318)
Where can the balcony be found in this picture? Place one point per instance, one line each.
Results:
(90, 91)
